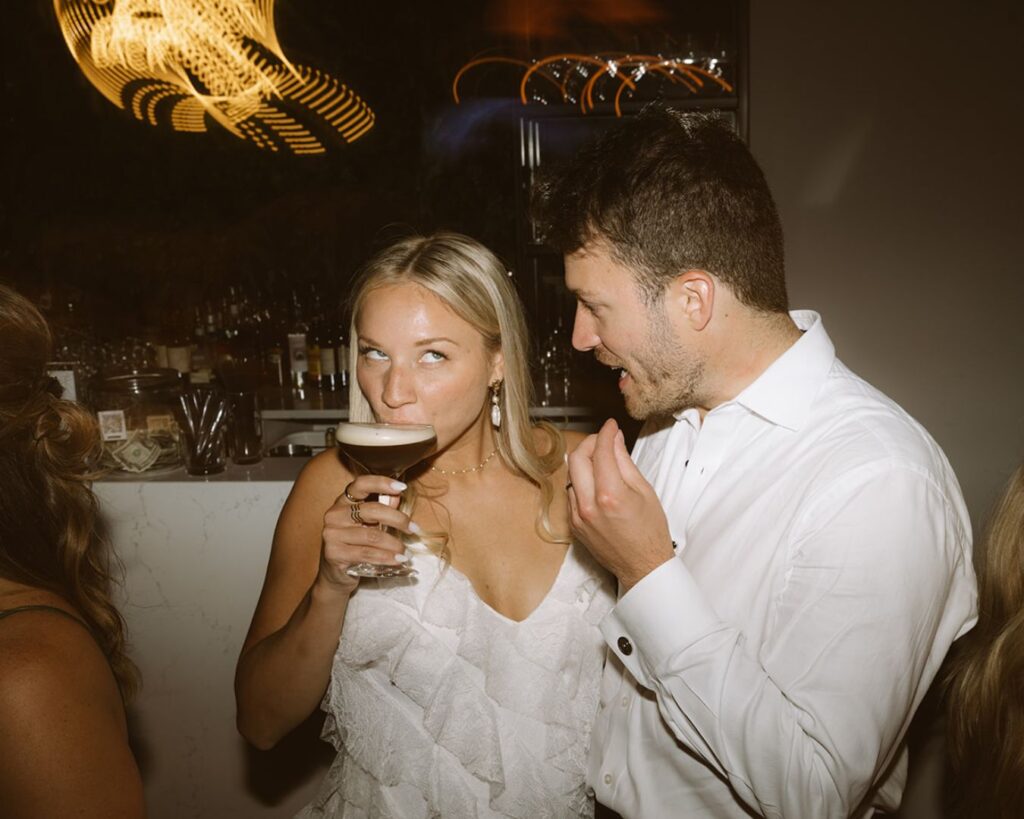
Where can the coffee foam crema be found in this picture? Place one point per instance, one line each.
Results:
(382, 434)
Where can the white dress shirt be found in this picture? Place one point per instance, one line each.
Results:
(823, 570)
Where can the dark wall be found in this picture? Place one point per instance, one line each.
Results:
(96, 197)
(892, 133)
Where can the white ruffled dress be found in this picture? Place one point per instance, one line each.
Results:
(439, 706)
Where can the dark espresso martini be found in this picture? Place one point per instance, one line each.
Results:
(386, 449)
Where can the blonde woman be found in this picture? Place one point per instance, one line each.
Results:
(64, 674)
(469, 688)
(985, 734)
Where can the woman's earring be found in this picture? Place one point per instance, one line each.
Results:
(495, 407)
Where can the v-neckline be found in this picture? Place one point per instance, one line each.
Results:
(547, 595)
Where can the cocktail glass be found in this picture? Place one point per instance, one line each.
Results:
(384, 449)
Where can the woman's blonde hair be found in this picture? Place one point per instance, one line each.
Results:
(470, 280)
(49, 453)
(986, 681)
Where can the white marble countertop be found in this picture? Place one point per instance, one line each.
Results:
(269, 469)
(194, 552)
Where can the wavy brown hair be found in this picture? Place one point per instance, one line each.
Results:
(986, 682)
(49, 454)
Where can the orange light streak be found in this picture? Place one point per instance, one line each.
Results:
(188, 62)
(623, 67)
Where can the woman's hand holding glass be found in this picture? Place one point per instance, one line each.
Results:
(358, 530)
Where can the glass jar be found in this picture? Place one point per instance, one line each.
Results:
(137, 411)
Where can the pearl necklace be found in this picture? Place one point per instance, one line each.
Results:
(468, 469)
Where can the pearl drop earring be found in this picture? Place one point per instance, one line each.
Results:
(495, 407)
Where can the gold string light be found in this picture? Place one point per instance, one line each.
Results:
(186, 62)
(575, 76)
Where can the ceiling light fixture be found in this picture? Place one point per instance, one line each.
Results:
(187, 61)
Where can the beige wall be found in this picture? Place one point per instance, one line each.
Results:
(892, 134)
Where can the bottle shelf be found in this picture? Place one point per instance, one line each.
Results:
(319, 406)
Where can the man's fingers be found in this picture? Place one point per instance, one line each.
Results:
(583, 452)
(607, 474)
(629, 471)
(581, 471)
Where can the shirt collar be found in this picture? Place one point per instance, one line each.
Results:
(784, 392)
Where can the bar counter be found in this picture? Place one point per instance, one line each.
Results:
(195, 552)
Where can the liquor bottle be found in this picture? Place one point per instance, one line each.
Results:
(201, 360)
(313, 338)
(181, 344)
(328, 358)
(298, 362)
(231, 308)
(240, 369)
(313, 354)
(274, 354)
(219, 332)
(342, 358)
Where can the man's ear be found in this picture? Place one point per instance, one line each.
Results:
(690, 298)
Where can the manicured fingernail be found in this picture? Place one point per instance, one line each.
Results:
(398, 486)
(415, 528)
(401, 558)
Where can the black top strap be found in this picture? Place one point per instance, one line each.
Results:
(18, 609)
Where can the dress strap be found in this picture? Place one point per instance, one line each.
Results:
(18, 609)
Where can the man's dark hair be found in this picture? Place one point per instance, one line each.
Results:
(669, 192)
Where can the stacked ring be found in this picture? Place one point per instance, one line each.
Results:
(348, 497)
(354, 512)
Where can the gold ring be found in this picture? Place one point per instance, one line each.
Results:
(348, 497)
(354, 512)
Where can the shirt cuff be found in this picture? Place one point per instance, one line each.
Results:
(660, 616)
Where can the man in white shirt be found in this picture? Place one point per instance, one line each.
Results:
(792, 548)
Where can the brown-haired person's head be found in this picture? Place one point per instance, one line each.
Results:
(674, 252)
(49, 453)
(666, 192)
(985, 678)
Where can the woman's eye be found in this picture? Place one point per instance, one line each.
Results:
(372, 354)
(432, 356)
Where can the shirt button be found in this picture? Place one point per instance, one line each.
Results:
(607, 779)
(625, 646)
(625, 701)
